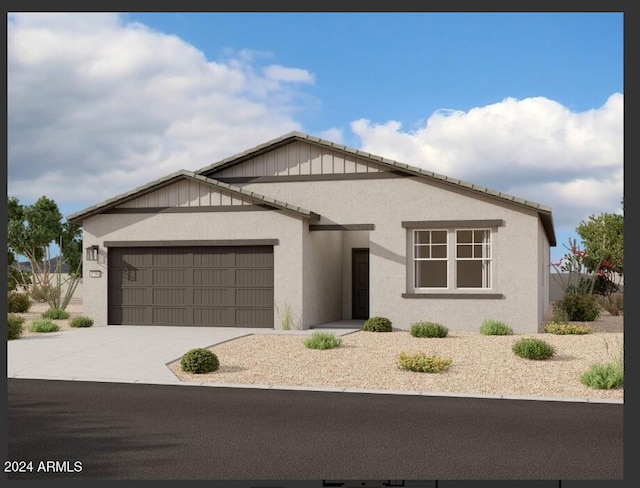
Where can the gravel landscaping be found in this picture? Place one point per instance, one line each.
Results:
(481, 364)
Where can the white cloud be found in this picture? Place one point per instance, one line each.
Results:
(533, 148)
(97, 106)
(282, 73)
(333, 134)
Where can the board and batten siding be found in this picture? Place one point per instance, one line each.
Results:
(299, 158)
(186, 193)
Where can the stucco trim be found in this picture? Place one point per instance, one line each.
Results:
(458, 224)
(215, 208)
(474, 296)
(207, 242)
(341, 227)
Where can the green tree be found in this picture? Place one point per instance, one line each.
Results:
(31, 231)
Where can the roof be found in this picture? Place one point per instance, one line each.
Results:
(77, 217)
(544, 212)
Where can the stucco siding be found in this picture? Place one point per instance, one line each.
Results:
(386, 203)
(213, 226)
(322, 277)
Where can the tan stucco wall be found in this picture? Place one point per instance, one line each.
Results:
(386, 203)
(288, 283)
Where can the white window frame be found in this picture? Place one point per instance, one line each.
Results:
(486, 256)
(415, 259)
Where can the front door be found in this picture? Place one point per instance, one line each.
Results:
(360, 283)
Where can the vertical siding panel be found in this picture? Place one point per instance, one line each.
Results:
(183, 193)
(281, 158)
(293, 160)
(327, 162)
(350, 166)
(205, 196)
(161, 198)
(339, 163)
(225, 199)
(305, 159)
(361, 166)
(172, 192)
(194, 193)
(372, 167)
(270, 164)
(315, 156)
(259, 169)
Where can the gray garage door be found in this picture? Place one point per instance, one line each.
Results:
(205, 286)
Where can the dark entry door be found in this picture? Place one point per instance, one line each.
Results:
(360, 283)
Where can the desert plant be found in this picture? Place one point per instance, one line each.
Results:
(563, 328)
(55, 314)
(39, 293)
(377, 324)
(530, 348)
(612, 304)
(428, 329)
(288, 319)
(580, 307)
(18, 302)
(495, 327)
(199, 361)
(14, 326)
(322, 340)
(603, 376)
(43, 325)
(81, 321)
(423, 363)
(560, 315)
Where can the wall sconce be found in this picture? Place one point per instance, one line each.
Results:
(92, 253)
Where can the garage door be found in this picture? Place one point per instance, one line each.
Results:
(194, 286)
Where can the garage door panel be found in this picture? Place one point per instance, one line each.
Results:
(211, 296)
(169, 296)
(254, 277)
(207, 286)
(260, 297)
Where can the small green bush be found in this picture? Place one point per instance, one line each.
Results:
(199, 361)
(603, 376)
(81, 321)
(423, 363)
(562, 329)
(530, 348)
(495, 327)
(55, 314)
(322, 340)
(43, 325)
(14, 326)
(579, 307)
(428, 329)
(377, 324)
(18, 302)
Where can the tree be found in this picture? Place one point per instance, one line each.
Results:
(603, 239)
(31, 231)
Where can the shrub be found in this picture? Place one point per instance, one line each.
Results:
(377, 324)
(81, 321)
(322, 340)
(536, 349)
(40, 293)
(55, 314)
(612, 304)
(495, 327)
(199, 360)
(43, 325)
(562, 329)
(423, 363)
(18, 302)
(579, 307)
(14, 326)
(428, 329)
(603, 376)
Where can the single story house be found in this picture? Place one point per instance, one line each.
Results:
(306, 228)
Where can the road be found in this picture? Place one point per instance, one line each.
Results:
(137, 431)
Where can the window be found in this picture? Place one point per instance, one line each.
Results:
(473, 258)
(430, 259)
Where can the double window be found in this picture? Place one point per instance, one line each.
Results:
(451, 258)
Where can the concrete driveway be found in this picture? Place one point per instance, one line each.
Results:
(117, 353)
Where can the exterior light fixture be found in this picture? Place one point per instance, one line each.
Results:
(92, 253)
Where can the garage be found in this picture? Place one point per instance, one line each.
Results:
(219, 286)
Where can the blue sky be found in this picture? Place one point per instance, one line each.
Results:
(530, 104)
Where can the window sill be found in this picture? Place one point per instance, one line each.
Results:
(473, 296)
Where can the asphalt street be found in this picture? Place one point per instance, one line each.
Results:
(142, 432)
